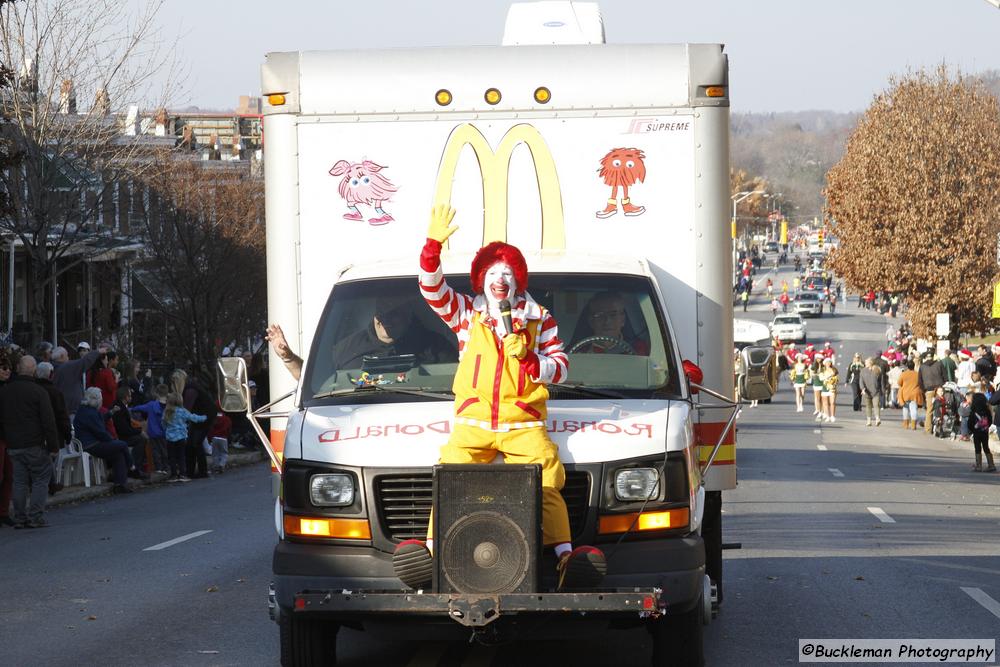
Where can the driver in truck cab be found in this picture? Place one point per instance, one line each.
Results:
(393, 330)
(505, 361)
(603, 328)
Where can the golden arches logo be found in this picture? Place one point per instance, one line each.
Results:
(494, 166)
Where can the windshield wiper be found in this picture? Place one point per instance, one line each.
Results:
(583, 390)
(372, 388)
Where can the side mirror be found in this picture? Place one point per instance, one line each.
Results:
(759, 380)
(693, 373)
(234, 394)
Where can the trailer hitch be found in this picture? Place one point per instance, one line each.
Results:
(474, 612)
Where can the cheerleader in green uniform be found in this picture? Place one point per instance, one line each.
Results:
(799, 373)
(816, 380)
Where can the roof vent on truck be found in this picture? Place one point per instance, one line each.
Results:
(544, 23)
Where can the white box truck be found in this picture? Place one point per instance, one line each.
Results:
(608, 166)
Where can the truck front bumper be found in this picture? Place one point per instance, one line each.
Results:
(675, 566)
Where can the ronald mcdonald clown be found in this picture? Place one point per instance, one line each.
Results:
(500, 394)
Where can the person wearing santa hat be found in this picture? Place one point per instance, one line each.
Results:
(799, 373)
(827, 351)
(810, 352)
(791, 355)
(963, 374)
(503, 409)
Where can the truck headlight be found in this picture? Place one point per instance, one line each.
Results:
(637, 484)
(331, 490)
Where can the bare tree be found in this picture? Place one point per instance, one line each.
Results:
(72, 162)
(915, 201)
(205, 225)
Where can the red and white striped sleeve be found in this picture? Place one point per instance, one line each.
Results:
(450, 305)
(552, 366)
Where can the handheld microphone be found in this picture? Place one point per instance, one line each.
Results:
(505, 315)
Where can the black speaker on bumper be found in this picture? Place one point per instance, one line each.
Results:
(487, 528)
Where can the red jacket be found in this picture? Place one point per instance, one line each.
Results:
(104, 379)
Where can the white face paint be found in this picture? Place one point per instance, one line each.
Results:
(499, 284)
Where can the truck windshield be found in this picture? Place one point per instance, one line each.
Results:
(382, 332)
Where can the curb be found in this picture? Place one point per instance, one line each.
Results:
(79, 494)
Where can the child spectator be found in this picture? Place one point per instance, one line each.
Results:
(219, 437)
(175, 426)
(153, 412)
(128, 430)
(964, 410)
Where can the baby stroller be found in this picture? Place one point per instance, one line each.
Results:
(945, 422)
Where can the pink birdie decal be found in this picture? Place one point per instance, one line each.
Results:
(361, 183)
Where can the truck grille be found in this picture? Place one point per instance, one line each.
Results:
(404, 503)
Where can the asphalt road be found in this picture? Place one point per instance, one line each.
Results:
(846, 532)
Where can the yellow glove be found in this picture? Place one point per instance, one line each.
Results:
(514, 345)
(441, 228)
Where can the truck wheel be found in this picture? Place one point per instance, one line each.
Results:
(711, 533)
(306, 642)
(677, 640)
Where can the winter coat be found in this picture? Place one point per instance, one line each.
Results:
(68, 378)
(177, 428)
(26, 416)
(90, 426)
(104, 379)
(980, 408)
(872, 380)
(931, 376)
(123, 421)
(154, 418)
(909, 387)
(58, 409)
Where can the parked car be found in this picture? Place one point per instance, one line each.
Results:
(809, 303)
(789, 327)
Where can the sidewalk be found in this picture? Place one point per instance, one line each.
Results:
(77, 494)
(850, 429)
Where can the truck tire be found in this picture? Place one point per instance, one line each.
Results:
(711, 533)
(678, 640)
(307, 642)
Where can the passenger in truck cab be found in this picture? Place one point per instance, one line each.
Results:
(604, 328)
(392, 331)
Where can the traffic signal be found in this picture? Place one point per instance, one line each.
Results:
(821, 239)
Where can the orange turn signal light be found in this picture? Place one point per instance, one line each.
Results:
(715, 91)
(349, 529)
(276, 99)
(543, 95)
(620, 523)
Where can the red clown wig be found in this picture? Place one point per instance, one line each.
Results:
(498, 251)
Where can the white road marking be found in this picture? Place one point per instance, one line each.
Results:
(835, 472)
(881, 515)
(816, 430)
(821, 448)
(982, 598)
(177, 540)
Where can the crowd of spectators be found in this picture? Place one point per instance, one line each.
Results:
(141, 427)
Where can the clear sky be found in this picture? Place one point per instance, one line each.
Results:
(785, 55)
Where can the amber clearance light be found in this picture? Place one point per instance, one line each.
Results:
(443, 97)
(349, 529)
(276, 99)
(620, 523)
(715, 91)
